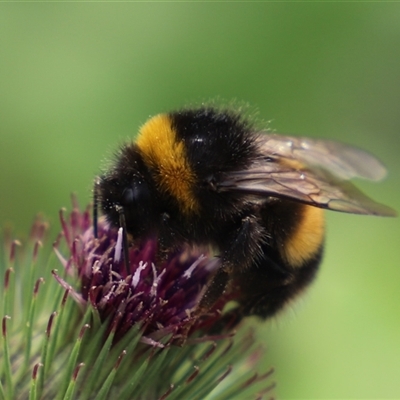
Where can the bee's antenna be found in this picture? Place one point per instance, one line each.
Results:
(95, 206)
(122, 224)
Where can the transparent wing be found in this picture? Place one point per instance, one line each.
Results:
(341, 160)
(314, 172)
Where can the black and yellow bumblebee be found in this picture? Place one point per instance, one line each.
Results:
(209, 177)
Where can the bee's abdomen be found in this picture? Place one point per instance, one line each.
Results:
(296, 231)
(304, 240)
(265, 292)
(290, 261)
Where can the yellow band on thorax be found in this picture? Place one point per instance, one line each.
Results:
(165, 155)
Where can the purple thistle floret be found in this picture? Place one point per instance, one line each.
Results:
(158, 294)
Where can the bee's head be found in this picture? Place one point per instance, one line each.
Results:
(127, 187)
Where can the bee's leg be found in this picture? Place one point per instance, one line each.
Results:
(214, 290)
(239, 252)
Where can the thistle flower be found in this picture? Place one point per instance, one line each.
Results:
(106, 328)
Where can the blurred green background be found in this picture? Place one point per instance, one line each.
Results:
(77, 79)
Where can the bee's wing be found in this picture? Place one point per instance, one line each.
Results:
(314, 172)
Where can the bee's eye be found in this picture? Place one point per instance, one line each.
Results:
(137, 194)
(127, 197)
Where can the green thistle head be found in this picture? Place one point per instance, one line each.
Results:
(107, 329)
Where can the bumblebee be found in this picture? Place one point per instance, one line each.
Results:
(208, 177)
